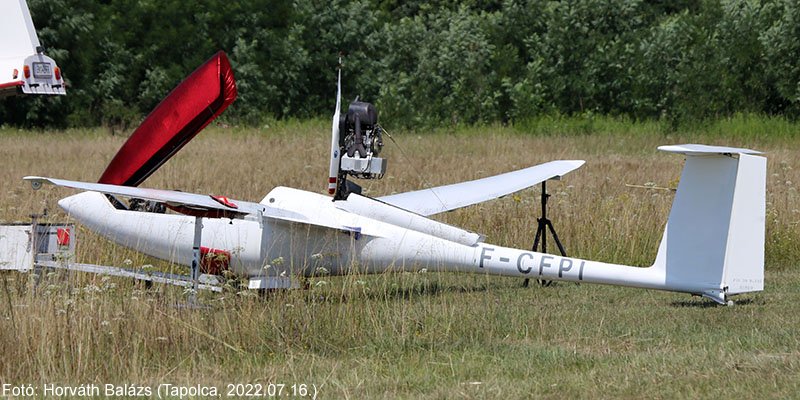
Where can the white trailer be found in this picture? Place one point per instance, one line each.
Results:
(34, 246)
(22, 245)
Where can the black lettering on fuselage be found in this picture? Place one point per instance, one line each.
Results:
(564, 266)
(580, 271)
(519, 263)
(485, 256)
(544, 262)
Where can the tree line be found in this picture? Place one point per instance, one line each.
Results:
(424, 63)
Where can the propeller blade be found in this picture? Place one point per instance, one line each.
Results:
(333, 176)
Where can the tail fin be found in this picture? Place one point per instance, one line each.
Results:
(714, 239)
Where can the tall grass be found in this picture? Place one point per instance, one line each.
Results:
(413, 335)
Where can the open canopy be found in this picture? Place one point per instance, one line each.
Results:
(192, 105)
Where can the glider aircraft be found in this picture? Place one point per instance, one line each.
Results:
(712, 246)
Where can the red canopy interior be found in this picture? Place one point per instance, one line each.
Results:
(192, 105)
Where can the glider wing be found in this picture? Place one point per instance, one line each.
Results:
(450, 197)
(211, 206)
(200, 205)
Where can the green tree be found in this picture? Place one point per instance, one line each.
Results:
(781, 41)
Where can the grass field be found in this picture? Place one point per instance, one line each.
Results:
(421, 335)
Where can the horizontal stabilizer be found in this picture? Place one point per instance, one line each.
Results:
(450, 197)
(700, 149)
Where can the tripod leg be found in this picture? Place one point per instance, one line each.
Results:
(540, 232)
(543, 224)
(558, 242)
(555, 236)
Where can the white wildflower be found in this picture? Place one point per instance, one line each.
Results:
(92, 289)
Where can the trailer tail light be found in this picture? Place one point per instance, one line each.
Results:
(57, 73)
(26, 70)
(62, 236)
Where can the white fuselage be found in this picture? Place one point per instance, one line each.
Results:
(275, 247)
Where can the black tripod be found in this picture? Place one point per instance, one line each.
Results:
(544, 225)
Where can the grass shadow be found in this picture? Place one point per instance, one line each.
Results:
(396, 293)
(707, 303)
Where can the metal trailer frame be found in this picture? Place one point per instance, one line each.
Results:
(34, 246)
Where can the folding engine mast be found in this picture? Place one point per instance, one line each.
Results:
(356, 141)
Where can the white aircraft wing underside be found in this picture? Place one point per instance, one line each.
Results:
(450, 197)
(301, 213)
(171, 197)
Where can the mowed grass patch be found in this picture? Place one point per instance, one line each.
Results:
(413, 335)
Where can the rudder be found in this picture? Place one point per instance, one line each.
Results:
(713, 243)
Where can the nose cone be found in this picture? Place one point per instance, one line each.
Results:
(68, 203)
(83, 206)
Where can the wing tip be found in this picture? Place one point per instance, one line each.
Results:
(37, 181)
